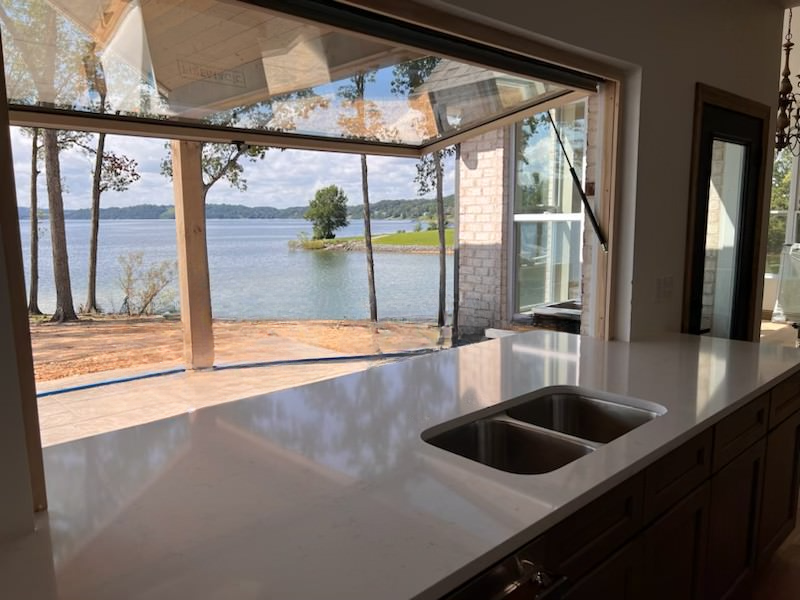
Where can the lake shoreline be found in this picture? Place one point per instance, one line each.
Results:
(360, 246)
(104, 343)
(253, 272)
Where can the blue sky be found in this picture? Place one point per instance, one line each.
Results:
(283, 178)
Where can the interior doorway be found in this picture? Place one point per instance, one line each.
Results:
(726, 212)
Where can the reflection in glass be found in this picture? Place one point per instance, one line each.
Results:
(548, 262)
(775, 239)
(543, 181)
(548, 215)
(233, 64)
(724, 209)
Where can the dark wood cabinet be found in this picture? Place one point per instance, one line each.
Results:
(693, 525)
(779, 498)
(588, 537)
(620, 577)
(674, 476)
(732, 530)
(675, 550)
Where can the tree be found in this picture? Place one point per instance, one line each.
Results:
(110, 172)
(430, 175)
(365, 123)
(781, 183)
(27, 23)
(328, 212)
(144, 288)
(33, 299)
(223, 162)
(406, 79)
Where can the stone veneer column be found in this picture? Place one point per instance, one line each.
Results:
(484, 195)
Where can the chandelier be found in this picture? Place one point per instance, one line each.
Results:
(788, 134)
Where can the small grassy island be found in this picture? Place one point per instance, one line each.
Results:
(400, 241)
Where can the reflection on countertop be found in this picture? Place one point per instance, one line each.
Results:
(327, 490)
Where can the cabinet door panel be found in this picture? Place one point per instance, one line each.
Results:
(583, 540)
(675, 550)
(620, 577)
(735, 502)
(779, 499)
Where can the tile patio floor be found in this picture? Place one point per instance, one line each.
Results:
(77, 414)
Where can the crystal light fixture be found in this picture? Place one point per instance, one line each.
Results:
(788, 131)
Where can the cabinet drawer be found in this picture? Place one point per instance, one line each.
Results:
(784, 400)
(736, 432)
(671, 478)
(584, 539)
(619, 577)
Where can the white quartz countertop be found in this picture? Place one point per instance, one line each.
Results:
(328, 491)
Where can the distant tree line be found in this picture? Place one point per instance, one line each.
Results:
(383, 209)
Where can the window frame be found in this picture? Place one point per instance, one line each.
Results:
(514, 218)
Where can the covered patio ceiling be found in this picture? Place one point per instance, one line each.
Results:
(300, 74)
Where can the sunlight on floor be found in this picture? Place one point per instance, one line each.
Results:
(782, 334)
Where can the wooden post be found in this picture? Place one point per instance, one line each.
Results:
(21, 469)
(190, 222)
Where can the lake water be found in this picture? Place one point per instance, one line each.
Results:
(254, 274)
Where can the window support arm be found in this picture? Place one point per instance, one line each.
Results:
(579, 187)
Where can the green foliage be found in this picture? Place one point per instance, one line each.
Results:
(427, 167)
(408, 76)
(781, 180)
(327, 212)
(776, 232)
(415, 238)
(406, 210)
(223, 161)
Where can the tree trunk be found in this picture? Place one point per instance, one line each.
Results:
(437, 159)
(33, 300)
(65, 310)
(91, 294)
(373, 302)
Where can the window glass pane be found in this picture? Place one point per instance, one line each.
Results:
(548, 262)
(236, 65)
(775, 239)
(779, 209)
(543, 180)
(722, 226)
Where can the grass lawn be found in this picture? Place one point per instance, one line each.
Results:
(415, 238)
(406, 238)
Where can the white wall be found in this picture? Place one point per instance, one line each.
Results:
(665, 48)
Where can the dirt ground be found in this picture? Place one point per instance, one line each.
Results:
(96, 344)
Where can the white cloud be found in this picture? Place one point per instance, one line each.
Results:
(283, 178)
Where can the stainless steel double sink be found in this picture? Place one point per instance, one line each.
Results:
(544, 430)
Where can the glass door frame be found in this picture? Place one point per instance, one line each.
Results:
(723, 116)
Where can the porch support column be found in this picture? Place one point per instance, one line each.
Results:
(21, 472)
(190, 222)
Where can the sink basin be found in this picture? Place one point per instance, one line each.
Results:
(542, 431)
(509, 446)
(582, 416)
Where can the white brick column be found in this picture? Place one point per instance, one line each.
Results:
(484, 198)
